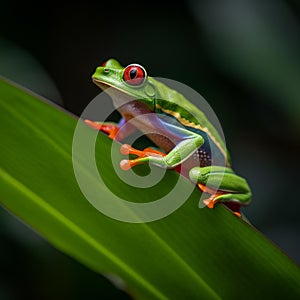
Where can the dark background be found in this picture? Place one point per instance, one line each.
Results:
(242, 56)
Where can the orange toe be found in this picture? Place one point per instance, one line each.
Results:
(93, 124)
(125, 164)
(110, 129)
(210, 202)
(125, 149)
(153, 151)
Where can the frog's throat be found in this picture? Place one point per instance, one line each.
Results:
(121, 97)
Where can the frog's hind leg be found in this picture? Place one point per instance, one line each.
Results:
(222, 185)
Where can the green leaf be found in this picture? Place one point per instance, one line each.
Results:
(191, 254)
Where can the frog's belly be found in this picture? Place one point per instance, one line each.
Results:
(162, 141)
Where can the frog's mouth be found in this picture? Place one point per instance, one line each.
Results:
(105, 85)
(119, 97)
(102, 85)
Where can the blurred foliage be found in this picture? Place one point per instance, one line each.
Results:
(260, 47)
(243, 58)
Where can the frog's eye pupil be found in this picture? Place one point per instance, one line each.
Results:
(134, 75)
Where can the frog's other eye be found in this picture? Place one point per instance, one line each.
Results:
(134, 75)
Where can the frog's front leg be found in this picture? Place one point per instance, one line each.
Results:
(223, 185)
(183, 150)
(127, 149)
(113, 129)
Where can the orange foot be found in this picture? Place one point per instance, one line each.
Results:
(110, 129)
(126, 149)
(212, 200)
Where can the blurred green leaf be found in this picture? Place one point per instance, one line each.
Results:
(191, 254)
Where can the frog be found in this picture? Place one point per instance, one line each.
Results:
(183, 136)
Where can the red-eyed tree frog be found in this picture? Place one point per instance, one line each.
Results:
(190, 143)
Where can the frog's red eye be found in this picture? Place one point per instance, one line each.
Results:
(134, 75)
(104, 64)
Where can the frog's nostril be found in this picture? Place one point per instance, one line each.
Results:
(106, 70)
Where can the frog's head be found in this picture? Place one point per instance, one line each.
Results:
(131, 80)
